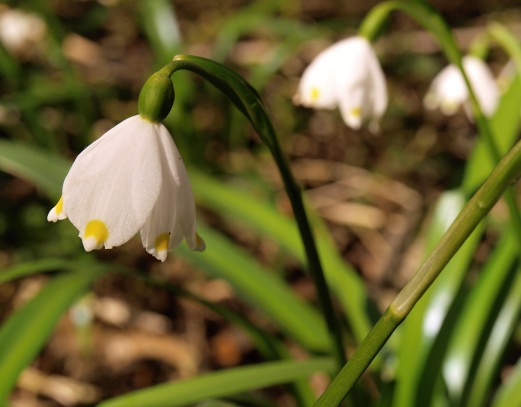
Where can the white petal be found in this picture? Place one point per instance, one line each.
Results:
(173, 217)
(114, 184)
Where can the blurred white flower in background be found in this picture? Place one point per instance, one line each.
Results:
(346, 75)
(132, 179)
(20, 31)
(448, 90)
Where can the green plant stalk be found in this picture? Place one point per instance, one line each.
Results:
(247, 100)
(505, 173)
(428, 17)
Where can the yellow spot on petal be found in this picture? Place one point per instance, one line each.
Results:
(161, 242)
(59, 206)
(356, 112)
(315, 94)
(98, 230)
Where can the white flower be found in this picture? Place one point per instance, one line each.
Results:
(131, 179)
(347, 75)
(19, 29)
(448, 90)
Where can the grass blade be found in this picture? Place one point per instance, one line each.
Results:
(46, 171)
(501, 333)
(26, 331)
(473, 324)
(234, 204)
(509, 394)
(260, 287)
(221, 384)
(26, 269)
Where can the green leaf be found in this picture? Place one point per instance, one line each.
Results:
(475, 318)
(260, 287)
(26, 331)
(509, 394)
(419, 345)
(162, 28)
(234, 204)
(221, 384)
(500, 335)
(43, 169)
(26, 269)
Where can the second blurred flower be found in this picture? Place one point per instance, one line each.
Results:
(347, 75)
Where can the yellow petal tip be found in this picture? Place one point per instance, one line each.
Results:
(57, 213)
(95, 235)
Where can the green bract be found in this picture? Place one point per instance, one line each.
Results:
(156, 97)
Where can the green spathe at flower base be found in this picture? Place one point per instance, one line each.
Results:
(156, 97)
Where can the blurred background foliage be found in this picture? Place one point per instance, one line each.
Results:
(77, 71)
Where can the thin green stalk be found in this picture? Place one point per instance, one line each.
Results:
(250, 104)
(427, 16)
(507, 172)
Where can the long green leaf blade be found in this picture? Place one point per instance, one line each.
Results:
(29, 268)
(25, 332)
(501, 334)
(473, 320)
(509, 394)
(45, 170)
(260, 287)
(221, 384)
(234, 204)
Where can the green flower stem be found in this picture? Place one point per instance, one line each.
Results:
(427, 16)
(507, 172)
(247, 100)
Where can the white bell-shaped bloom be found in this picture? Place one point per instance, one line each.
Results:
(347, 75)
(448, 90)
(131, 179)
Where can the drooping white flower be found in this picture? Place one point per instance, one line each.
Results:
(448, 90)
(347, 75)
(131, 179)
